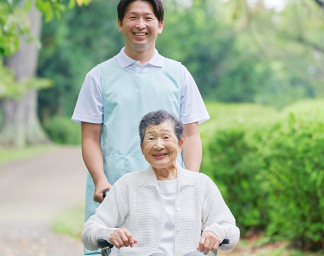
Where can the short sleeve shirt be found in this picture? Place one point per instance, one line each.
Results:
(89, 106)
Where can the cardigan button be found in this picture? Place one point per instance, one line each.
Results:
(177, 231)
(178, 210)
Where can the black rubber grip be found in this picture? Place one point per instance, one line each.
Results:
(225, 241)
(105, 192)
(104, 243)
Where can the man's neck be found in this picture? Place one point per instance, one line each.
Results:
(142, 55)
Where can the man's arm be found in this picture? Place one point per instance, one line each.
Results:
(93, 159)
(191, 149)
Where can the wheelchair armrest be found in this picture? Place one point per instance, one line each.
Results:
(104, 243)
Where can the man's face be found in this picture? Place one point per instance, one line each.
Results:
(140, 26)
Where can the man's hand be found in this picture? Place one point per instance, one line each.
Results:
(122, 237)
(209, 241)
(99, 189)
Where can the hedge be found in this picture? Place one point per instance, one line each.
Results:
(62, 130)
(272, 175)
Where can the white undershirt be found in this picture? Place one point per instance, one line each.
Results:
(168, 190)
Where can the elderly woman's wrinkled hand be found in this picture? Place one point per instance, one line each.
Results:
(209, 241)
(122, 237)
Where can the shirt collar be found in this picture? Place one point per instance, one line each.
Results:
(150, 179)
(125, 61)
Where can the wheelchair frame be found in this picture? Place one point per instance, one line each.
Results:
(106, 247)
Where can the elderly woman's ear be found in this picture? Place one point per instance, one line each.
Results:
(180, 144)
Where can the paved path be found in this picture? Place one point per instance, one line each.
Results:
(33, 192)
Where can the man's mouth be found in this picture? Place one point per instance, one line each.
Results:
(140, 34)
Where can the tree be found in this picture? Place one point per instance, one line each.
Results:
(320, 3)
(20, 125)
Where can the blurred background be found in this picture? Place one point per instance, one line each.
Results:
(259, 65)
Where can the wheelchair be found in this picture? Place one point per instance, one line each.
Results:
(106, 247)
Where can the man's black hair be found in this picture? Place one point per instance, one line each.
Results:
(157, 7)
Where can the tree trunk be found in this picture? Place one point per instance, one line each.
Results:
(320, 3)
(20, 124)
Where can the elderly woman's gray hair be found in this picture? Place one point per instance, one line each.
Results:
(158, 117)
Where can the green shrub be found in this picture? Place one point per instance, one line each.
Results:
(234, 165)
(63, 131)
(272, 174)
(293, 154)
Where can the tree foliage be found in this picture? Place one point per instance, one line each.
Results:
(236, 51)
(14, 25)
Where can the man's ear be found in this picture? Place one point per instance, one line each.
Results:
(160, 27)
(120, 26)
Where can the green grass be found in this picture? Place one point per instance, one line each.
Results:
(223, 116)
(70, 222)
(11, 154)
(306, 110)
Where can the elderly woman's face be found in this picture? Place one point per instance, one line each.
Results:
(160, 145)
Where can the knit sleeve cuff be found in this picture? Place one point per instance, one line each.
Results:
(90, 239)
(217, 229)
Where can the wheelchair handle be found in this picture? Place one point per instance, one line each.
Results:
(105, 192)
(225, 241)
(104, 243)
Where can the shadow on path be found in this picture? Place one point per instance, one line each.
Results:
(32, 193)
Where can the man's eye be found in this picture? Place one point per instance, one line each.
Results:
(132, 18)
(148, 18)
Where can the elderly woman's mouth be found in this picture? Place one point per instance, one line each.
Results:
(160, 155)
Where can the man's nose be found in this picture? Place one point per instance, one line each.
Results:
(140, 24)
(158, 144)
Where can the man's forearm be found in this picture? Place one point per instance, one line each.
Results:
(93, 159)
(191, 149)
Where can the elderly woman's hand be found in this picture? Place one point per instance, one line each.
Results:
(209, 241)
(122, 237)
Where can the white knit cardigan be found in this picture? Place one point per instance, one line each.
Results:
(135, 203)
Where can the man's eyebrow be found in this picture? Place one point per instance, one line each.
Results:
(135, 13)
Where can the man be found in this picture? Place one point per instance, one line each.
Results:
(117, 93)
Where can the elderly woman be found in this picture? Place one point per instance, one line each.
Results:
(164, 209)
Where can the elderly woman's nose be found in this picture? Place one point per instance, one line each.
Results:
(158, 143)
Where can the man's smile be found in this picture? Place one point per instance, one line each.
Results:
(140, 34)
